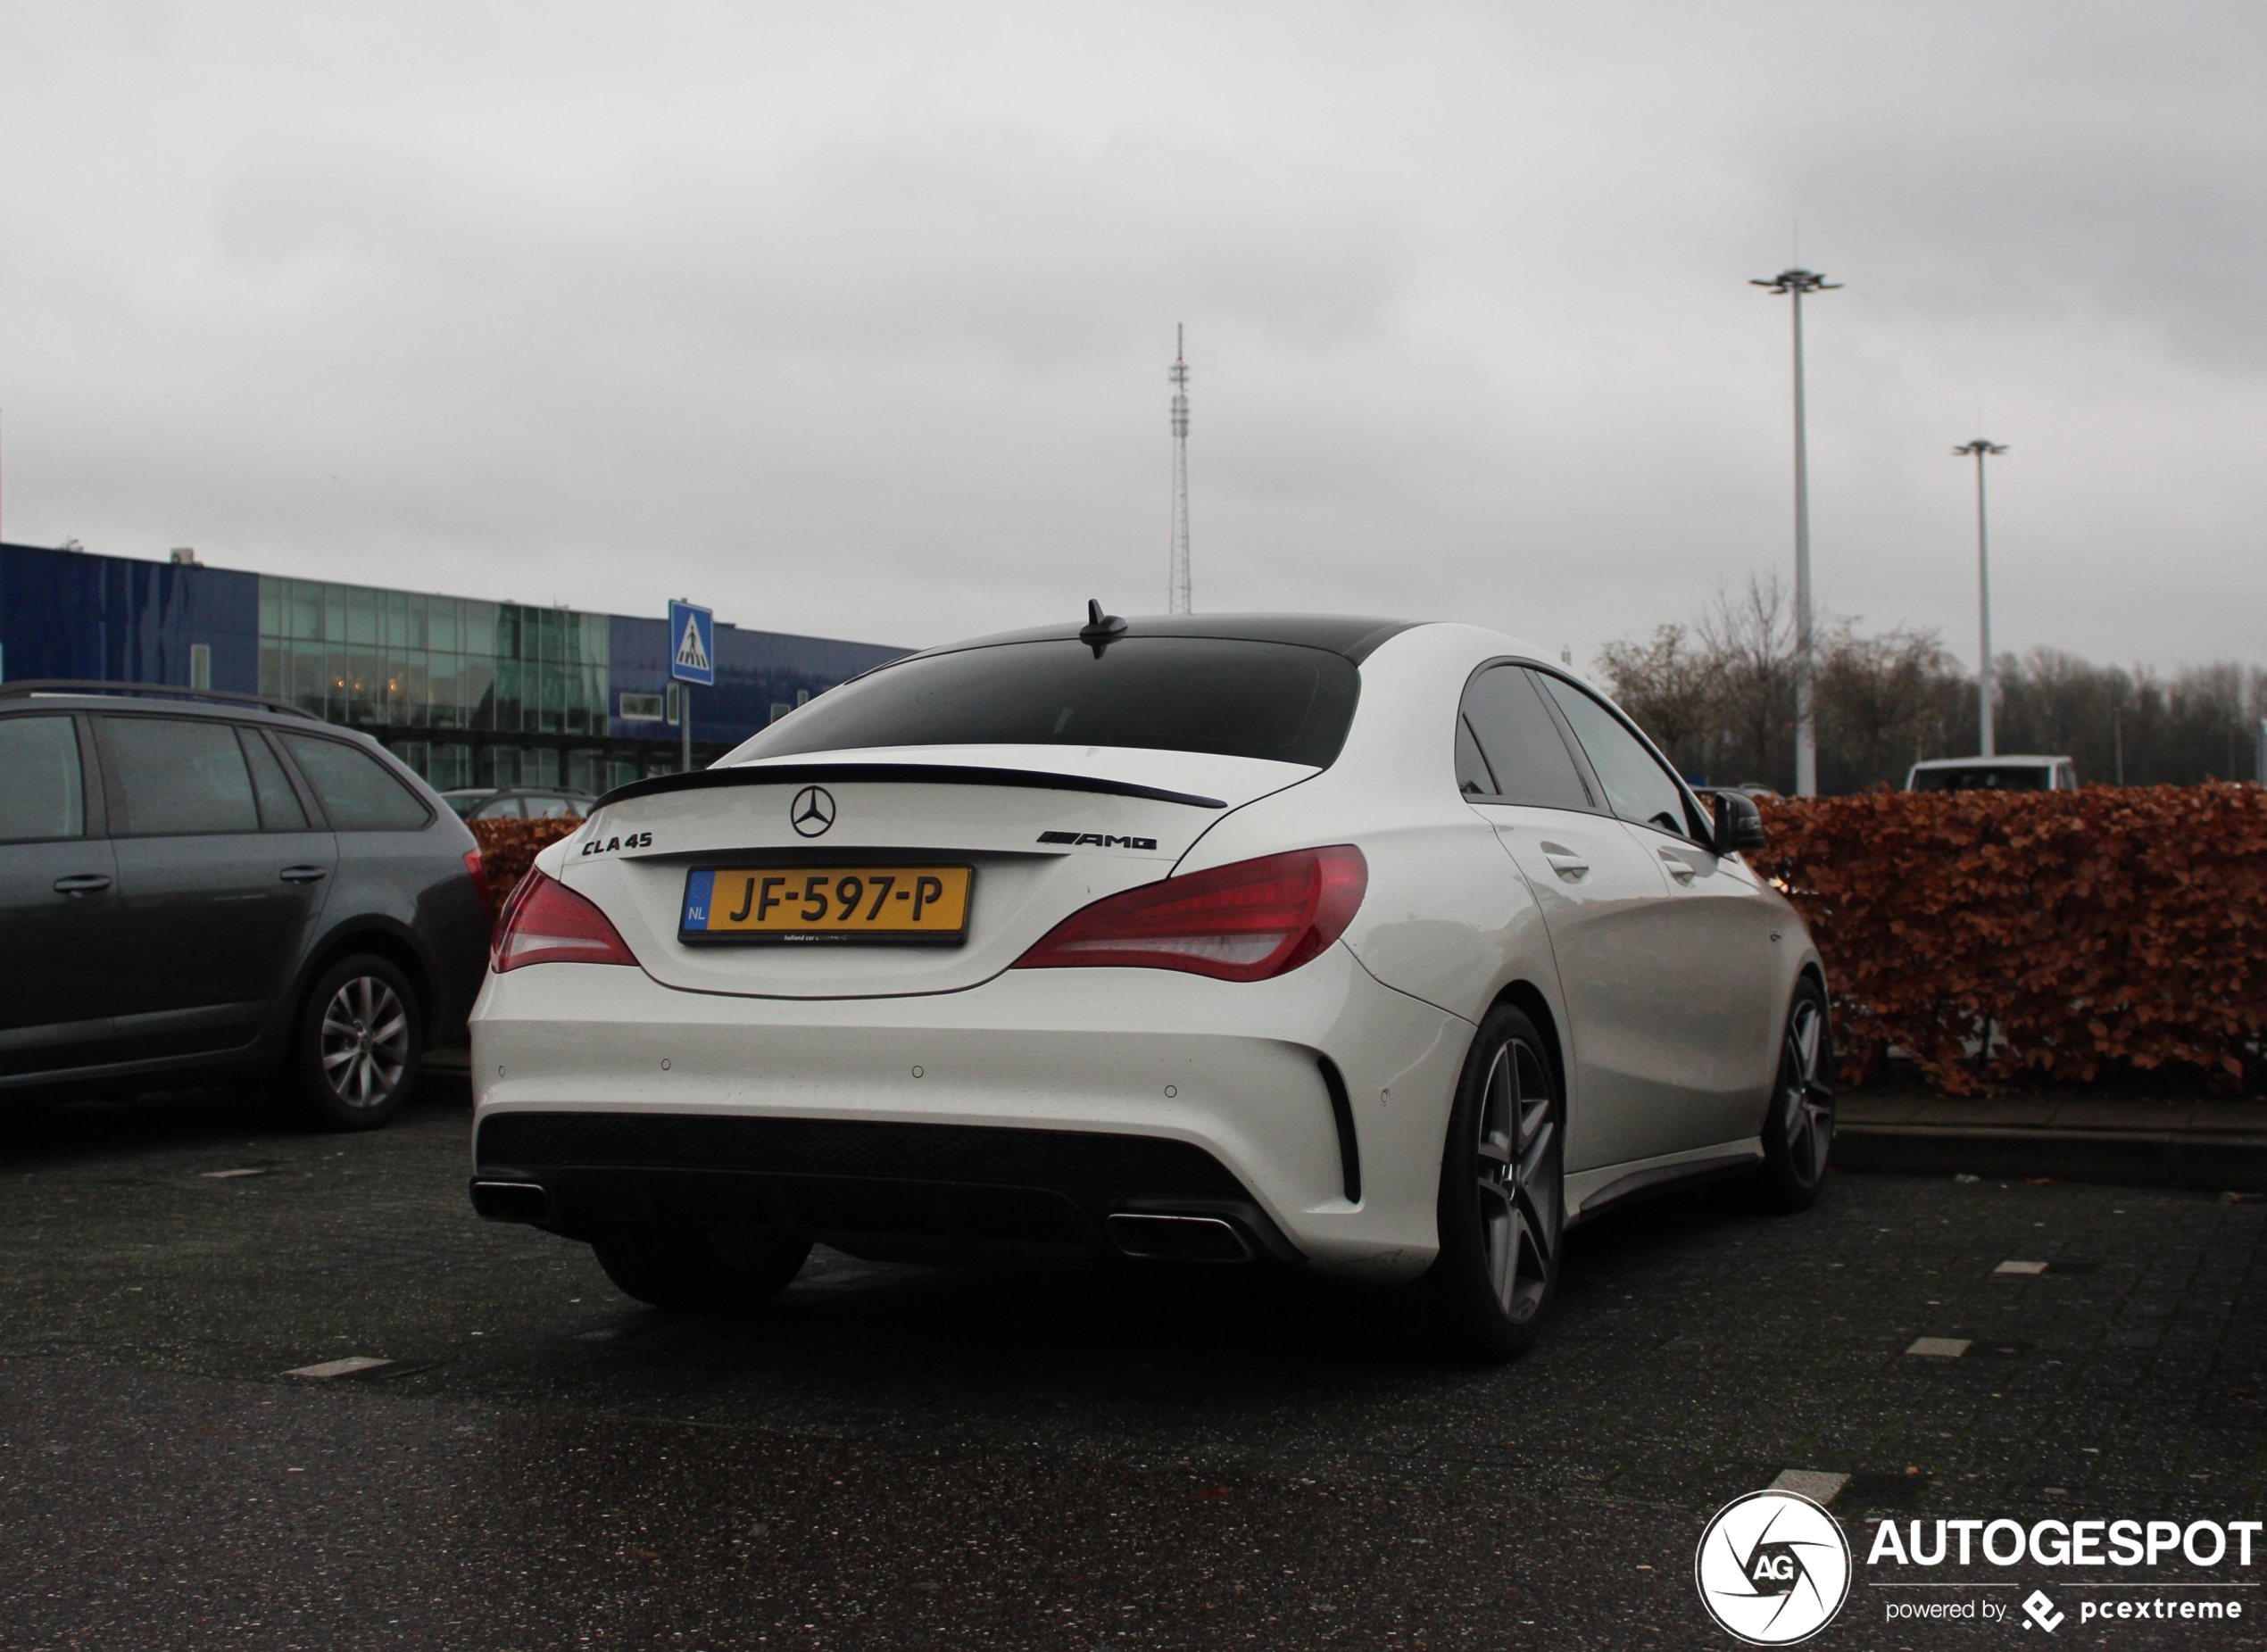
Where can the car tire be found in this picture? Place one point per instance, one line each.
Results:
(359, 1046)
(1799, 1132)
(1503, 1195)
(686, 1271)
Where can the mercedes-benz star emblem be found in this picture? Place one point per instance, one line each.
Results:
(812, 811)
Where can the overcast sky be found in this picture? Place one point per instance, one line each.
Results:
(854, 321)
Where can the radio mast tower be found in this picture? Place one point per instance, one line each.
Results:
(1176, 580)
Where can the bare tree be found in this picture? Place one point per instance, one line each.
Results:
(1671, 688)
(1884, 702)
(1749, 638)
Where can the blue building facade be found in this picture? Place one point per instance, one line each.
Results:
(467, 691)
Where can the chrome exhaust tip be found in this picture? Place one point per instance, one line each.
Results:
(1155, 1238)
(512, 1201)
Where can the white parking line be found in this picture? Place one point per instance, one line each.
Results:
(222, 1175)
(2021, 1267)
(340, 1367)
(1818, 1484)
(1941, 1348)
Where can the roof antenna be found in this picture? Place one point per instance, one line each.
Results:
(1101, 629)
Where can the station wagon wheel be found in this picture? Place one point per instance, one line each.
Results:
(1502, 1206)
(365, 1041)
(1798, 1133)
(361, 1039)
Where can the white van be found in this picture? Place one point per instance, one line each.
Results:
(1993, 774)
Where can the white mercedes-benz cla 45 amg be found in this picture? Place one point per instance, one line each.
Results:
(1381, 949)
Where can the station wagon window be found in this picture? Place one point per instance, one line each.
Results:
(279, 808)
(359, 793)
(1162, 693)
(1636, 784)
(1509, 749)
(40, 794)
(172, 776)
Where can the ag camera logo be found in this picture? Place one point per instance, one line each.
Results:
(1773, 1568)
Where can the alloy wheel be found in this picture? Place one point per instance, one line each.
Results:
(364, 1041)
(1806, 1102)
(1520, 1187)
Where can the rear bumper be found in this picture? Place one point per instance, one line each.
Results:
(1031, 1110)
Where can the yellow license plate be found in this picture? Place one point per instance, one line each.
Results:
(887, 903)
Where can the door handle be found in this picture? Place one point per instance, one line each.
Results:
(1682, 870)
(81, 884)
(303, 873)
(1566, 862)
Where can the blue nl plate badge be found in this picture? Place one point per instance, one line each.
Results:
(698, 888)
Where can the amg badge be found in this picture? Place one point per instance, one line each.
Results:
(1100, 840)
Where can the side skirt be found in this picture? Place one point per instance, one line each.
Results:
(1593, 1192)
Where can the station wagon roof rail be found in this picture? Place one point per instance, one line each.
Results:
(33, 686)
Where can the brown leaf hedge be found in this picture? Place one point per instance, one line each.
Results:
(2040, 937)
(508, 848)
(2116, 926)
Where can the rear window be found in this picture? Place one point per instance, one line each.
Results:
(359, 793)
(2003, 778)
(1162, 693)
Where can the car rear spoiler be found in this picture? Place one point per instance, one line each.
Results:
(896, 774)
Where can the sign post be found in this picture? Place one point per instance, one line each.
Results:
(693, 659)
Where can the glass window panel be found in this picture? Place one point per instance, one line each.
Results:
(597, 639)
(395, 606)
(508, 618)
(271, 606)
(1638, 788)
(308, 692)
(441, 622)
(441, 691)
(508, 675)
(359, 793)
(334, 613)
(539, 767)
(280, 809)
(476, 690)
(44, 796)
(171, 775)
(477, 629)
(274, 667)
(362, 615)
(302, 608)
(365, 686)
(414, 699)
(416, 638)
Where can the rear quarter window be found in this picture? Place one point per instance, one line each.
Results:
(358, 792)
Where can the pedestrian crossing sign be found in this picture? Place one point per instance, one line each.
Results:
(692, 644)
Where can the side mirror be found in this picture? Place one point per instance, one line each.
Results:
(1738, 825)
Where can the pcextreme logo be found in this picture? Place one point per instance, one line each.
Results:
(1773, 1568)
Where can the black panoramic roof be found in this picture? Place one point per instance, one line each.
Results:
(1354, 637)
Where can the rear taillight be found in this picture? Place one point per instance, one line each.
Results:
(1244, 922)
(472, 864)
(545, 922)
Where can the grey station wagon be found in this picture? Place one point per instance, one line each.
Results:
(197, 885)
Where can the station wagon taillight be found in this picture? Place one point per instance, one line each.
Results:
(544, 921)
(1244, 922)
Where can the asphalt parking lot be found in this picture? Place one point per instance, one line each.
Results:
(902, 1457)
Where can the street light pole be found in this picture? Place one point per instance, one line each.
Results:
(1981, 448)
(1794, 284)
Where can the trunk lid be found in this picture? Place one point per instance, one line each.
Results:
(1045, 829)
